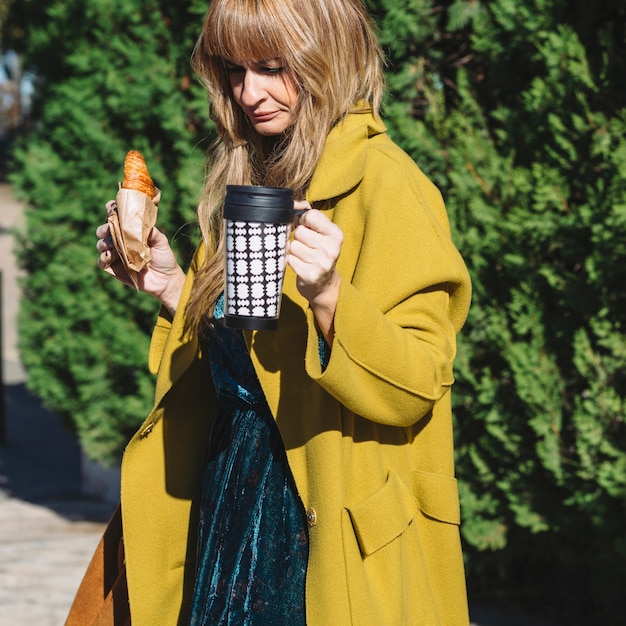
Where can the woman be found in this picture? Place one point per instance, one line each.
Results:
(304, 475)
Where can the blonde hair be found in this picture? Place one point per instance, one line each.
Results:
(331, 55)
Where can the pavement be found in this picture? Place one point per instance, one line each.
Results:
(49, 527)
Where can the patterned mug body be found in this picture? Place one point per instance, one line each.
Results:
(257, 223)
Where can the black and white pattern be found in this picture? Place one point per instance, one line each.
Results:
(255, 267)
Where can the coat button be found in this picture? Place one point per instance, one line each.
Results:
(311, 517)
(146, 431)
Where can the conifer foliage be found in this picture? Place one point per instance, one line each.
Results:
(113, 75)
(517, 110)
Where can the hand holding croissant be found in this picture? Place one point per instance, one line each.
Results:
(133, 215)
(162, 276)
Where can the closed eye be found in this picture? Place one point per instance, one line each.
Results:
(272, 70)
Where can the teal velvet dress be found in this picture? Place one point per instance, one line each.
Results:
(253, 539)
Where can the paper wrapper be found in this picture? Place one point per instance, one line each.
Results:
(130, 220)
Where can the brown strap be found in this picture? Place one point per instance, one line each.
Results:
(102, 598)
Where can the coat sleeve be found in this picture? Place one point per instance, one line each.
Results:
(402, 303)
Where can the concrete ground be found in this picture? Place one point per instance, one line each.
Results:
(48, 526)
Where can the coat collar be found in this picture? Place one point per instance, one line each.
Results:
(342, 164)
(340, 169)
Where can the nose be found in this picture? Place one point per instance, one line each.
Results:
(252, 91)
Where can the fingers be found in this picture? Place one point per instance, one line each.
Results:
(316, 220)
(108, 257)
(105, 241)
(111, 263)
(157, 239)
(317, 240)
(102, 231)
(105, 260)
(313, 255)
(109, 260)
(104, 245)
(300, 207)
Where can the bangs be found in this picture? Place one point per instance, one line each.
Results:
(246, 30)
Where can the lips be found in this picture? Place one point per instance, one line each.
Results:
(263, 116)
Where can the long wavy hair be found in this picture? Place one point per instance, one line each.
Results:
(330, 53)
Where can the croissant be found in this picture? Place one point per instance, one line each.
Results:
(136, 175)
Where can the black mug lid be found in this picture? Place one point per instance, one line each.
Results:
(257, 203)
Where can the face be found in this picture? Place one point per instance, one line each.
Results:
(264, 92)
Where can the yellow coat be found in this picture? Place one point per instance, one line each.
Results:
(369, 439)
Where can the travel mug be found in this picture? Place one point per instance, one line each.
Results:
(257, 225)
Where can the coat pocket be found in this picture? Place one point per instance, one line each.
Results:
(388, 579)
(437, 496)
(382, 517)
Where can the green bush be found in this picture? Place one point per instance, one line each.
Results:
(517, 110)
(114, 75)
